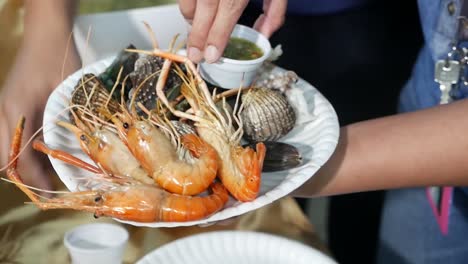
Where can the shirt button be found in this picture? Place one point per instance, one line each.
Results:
(451, 8)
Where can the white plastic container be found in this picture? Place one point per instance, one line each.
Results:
(96, 243)
(229, 73)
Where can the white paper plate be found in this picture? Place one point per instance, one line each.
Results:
(235, 247)
(315, 135)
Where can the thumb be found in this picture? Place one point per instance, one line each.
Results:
(272, 18)
(260, 26)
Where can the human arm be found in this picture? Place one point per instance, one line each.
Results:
(36, 71)
(424, 148)
(213, 21)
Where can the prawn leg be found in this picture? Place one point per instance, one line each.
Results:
(65, 157)
(12, 172)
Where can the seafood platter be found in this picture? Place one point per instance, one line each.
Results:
(141, 137)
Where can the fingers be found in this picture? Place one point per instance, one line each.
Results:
(272, 18)
(213, 22)
(187, 8)
(204, 15)
(227, 16)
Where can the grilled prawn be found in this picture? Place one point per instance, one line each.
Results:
(158, 156)
(151, 155)
(124, 200)
(239, 168)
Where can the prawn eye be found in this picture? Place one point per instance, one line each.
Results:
(125, 125)
(83, 137)
(96, 215)
(97, 199)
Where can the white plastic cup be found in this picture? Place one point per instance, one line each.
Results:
(96, 243)
(229, 73)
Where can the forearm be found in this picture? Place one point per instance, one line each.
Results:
(48, 26)
(428, 147)
(46, 21)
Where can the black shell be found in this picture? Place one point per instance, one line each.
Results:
(279, 156)
(126, 61)
(145, 66)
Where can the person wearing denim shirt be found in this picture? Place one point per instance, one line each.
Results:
(410, 231)
(352, 47)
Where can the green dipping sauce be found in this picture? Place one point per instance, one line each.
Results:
(242, 49)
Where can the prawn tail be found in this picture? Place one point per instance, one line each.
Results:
(180, 208)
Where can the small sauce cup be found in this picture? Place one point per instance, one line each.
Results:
(96, 243)
(229, 73)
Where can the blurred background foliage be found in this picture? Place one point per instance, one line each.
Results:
(93, 6)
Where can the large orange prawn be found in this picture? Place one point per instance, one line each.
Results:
(154, 154)
(108, 152)
(123, 200)
(159, 157)
(239, 168)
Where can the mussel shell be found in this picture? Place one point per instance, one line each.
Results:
(126, 61)
(279, 156)
(91, 92)
(267, 115)
(145, 66)
(146, 94)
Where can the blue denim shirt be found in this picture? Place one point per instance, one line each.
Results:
(409, 231)
(439, 28)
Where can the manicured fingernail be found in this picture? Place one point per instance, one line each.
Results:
(195, 54)
(211, 54)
